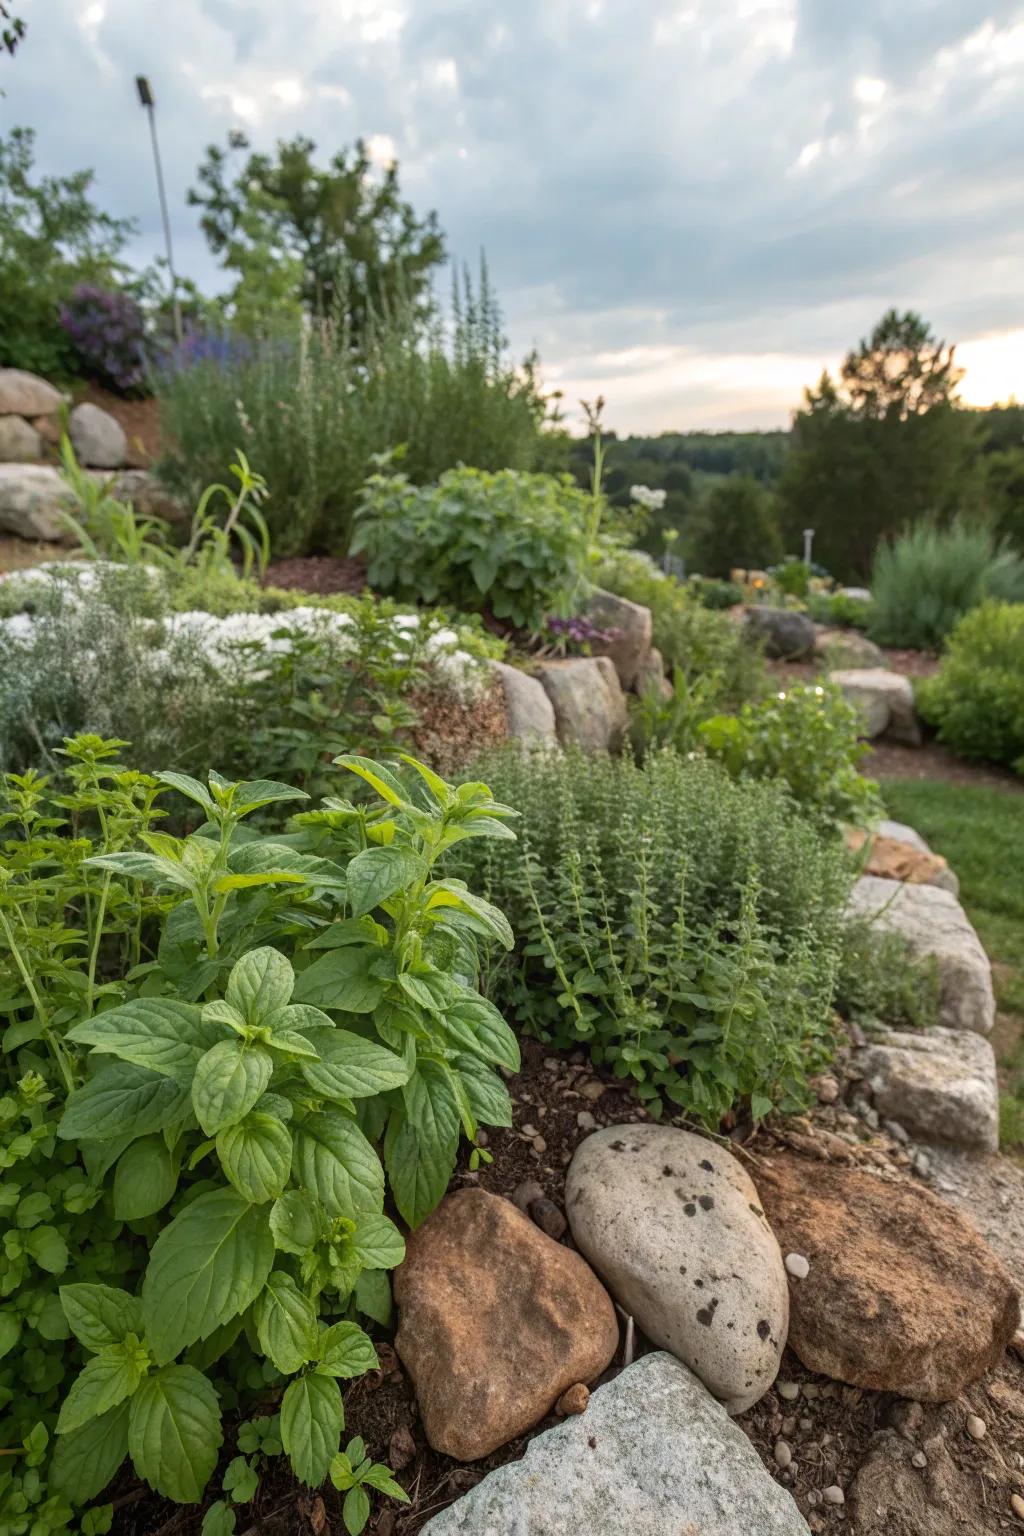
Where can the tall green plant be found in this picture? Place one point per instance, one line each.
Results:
(928, 578)
(317, 411)
(301, 1009)
(682, 927)
(976, 699)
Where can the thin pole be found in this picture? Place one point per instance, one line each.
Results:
(176, 307)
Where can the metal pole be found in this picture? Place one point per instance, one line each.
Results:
(150, 107)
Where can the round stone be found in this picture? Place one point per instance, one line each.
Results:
(783, 1454)
(976, 1427)
(798, 1266)
(834, 1495)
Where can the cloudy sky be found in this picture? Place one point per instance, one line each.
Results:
(688, 205)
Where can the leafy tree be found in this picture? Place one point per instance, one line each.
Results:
(12, 31)
(1004, 494)
(52, 237)
(735, 525)
(351, 236)
(886, 444)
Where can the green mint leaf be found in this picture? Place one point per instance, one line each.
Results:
(312, 1419)
(256, 1155)
(174, 1432)
(100, 1315)
(228, 1081)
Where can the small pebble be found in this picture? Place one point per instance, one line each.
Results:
(976, 1427)
(548, 1217)
(539, 1144)
(919, 1459)
(1017, 1505)
(834, 1495)
(586, 1121)
(402, 1448)
(573, 1400)
(811, 1390)
(482, 1139)
(552, 1063)
(789, 1391)
(806, 1424)
(592, 1089)
(896, 1131)
(526, 1193)
(797, 1266)
(783, 1454)
(921, 1164)
(530, 1130)
(828, 1090)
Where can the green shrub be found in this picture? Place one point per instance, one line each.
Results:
(683, 927)
(207, 1092)
(881, 982)
(838, 611)
(312, 413)
(976, 699)
(513, 543)
(694, 641)
(924, 581)
(715, 594)
(805, 736)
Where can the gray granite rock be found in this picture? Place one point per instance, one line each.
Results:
(25, 394)
(29, 497)
(20, 443)
(847, 648)
(652, 675)
(531, 716)
(673, 1225)
(785, 634)
(632, 624)
(885, 700)
(98, 440)
(590, 707)
(933, 922)
(147, 495)
(940, 1085)
(653, 1455)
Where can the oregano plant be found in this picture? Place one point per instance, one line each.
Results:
(278, 1031)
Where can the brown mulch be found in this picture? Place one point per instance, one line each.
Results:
(448, 733)
(909, 663)
(319, 574)
(887, 760)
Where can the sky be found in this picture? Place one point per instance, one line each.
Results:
(688, 206)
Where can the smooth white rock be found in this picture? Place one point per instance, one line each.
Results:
(934, 923)
(20, 443)
(885, 700)
(673, 1225)
(98, 440)
(653, 1455)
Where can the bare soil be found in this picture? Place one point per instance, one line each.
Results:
(319, 574)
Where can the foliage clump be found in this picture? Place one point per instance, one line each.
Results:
(683, 927)
(222, 1048)
(515, 544)
(976, 699)
(928, 578)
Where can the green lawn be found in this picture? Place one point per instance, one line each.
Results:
(980, 830)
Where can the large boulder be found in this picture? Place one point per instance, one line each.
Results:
(784, 634)
(671, 1223)
(885, 701)
(20, 443)
(654, 1455)
(590, 707)
(901, 1295)
(98, 440)
(940, 1085)
(25, 394)
(652, 675)
(30, 495)
(496, 1321)
(847, 648)
(531, 716)
(933, 923)
(631, 626)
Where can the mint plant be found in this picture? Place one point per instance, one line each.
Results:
(270, 1029)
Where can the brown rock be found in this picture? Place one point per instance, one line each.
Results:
(894, 860)
(496, 1322)
(401, 1448)
(575, 1400)
(902, 1296)
(549, 1218)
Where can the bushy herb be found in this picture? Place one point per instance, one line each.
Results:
(976, 699)
(805, 736)
(684, 928)
(197, 1083)
(839, 611)
(927, 579)
(317, 411)
(513, 543)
